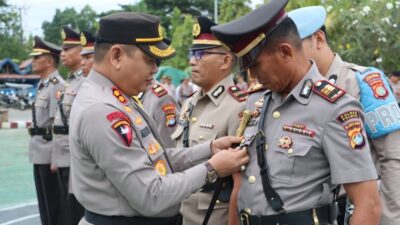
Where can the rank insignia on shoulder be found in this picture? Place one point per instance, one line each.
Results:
(158, 90)
(348, 116)
(117, 93)
(54, 80)
(161, 167)
(170, 114)
(327, 90)
(237, 93)
(355, 134)
(124, 130)
(218, 91)
(375, 81)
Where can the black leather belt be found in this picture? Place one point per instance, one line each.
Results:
(60, 130)
(38, 131)
(98, 219)
(321, 216)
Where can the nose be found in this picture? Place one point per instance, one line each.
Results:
(192, 61)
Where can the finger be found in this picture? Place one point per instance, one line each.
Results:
(234, 140)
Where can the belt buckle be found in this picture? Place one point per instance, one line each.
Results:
(315, 217)
(244, 218)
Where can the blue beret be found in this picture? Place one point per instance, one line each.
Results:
(308, 19)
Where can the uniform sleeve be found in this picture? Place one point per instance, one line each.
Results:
(129, 169)
(54, 98)
(167, 114)
(182, 159)
(346, 146)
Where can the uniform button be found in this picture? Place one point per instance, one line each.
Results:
(218, 201)
(247, 210)
(252, 179)
(276, 115)
(194, 119)
(290, 151)
(266, 147)
(201, 137)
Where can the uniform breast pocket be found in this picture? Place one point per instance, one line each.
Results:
(200, 136)
(42, 102)
(289, 165)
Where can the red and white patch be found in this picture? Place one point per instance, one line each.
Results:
(116, 115)
(124, 130)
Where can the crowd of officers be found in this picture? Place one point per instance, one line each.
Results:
(111, 145)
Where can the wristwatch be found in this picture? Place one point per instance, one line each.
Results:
(211, 173)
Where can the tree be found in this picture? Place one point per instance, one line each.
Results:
(84, 20)
(233, 9)
(11, 33)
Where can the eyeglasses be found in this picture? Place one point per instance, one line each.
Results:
(198, 54)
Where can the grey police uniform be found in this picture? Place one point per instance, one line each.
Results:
(386, 147)
(215, 114)
(60, 152)
(314, 140)
(163, 108)
(119, 164)
(48, 93)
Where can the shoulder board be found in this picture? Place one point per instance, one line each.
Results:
(327, 90)
(355, 67)
(237, 93)
(254, 88)
(54, 80)
(158, 90)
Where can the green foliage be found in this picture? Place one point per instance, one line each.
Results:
(84, 20)
(233, 9)
(11, 34)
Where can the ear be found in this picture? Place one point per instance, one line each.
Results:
(320, 39)
(227, 62)
(115, 56)
(285, 52)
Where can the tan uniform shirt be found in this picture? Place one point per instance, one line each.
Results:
(304, 166)
(215, 114)
(386, 148)
(47, 96)
(60, 152)
(164, 109)
(118, 163)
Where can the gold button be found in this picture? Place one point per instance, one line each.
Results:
(276, 115)
(266, 147)
(247, 210)
(290, 150)
(252, 179)
(201, 137)
(218, 201)
(194, 119)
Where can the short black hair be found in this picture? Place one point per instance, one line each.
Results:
(286, 31)
(101, 48)
(54, 58)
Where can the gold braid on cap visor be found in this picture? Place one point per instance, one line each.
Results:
(161, 53)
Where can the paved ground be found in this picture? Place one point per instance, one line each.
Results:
(18, 115)
(17, 190)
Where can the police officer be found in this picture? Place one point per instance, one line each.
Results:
(161, 105)
(121, 171)
(72, 211)
(87, 42)
(211, 112)
(305, 135)
(370, 87)
(45, 63)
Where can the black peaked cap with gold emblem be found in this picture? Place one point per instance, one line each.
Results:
(134, 28)
(70, 37)
(244, 33)
(202, 36)
(41, 47)
(87, 42)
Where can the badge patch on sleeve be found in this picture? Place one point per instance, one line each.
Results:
(348, 116)
(355, 134)
(375, 81)
(170, 115)
(124, 130)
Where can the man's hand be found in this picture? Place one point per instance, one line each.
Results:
(224, 143)
(53, 168)
(229, 162)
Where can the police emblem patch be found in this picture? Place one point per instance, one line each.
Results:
(285, 142)
(161, 167)
(170, 114)
(124, 130)
(375, 81)
(355, 135)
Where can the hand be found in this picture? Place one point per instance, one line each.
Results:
(224, 143)
(229, 162)
(53, 168)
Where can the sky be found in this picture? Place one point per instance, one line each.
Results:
(35, 12)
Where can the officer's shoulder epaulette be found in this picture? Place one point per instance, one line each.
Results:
(158, 90)
(54, 80)
(237, 93)
(355, 67)
(254, 88)
(328, 91)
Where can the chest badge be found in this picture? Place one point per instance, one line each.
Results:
(259, 103)
(286, 142)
